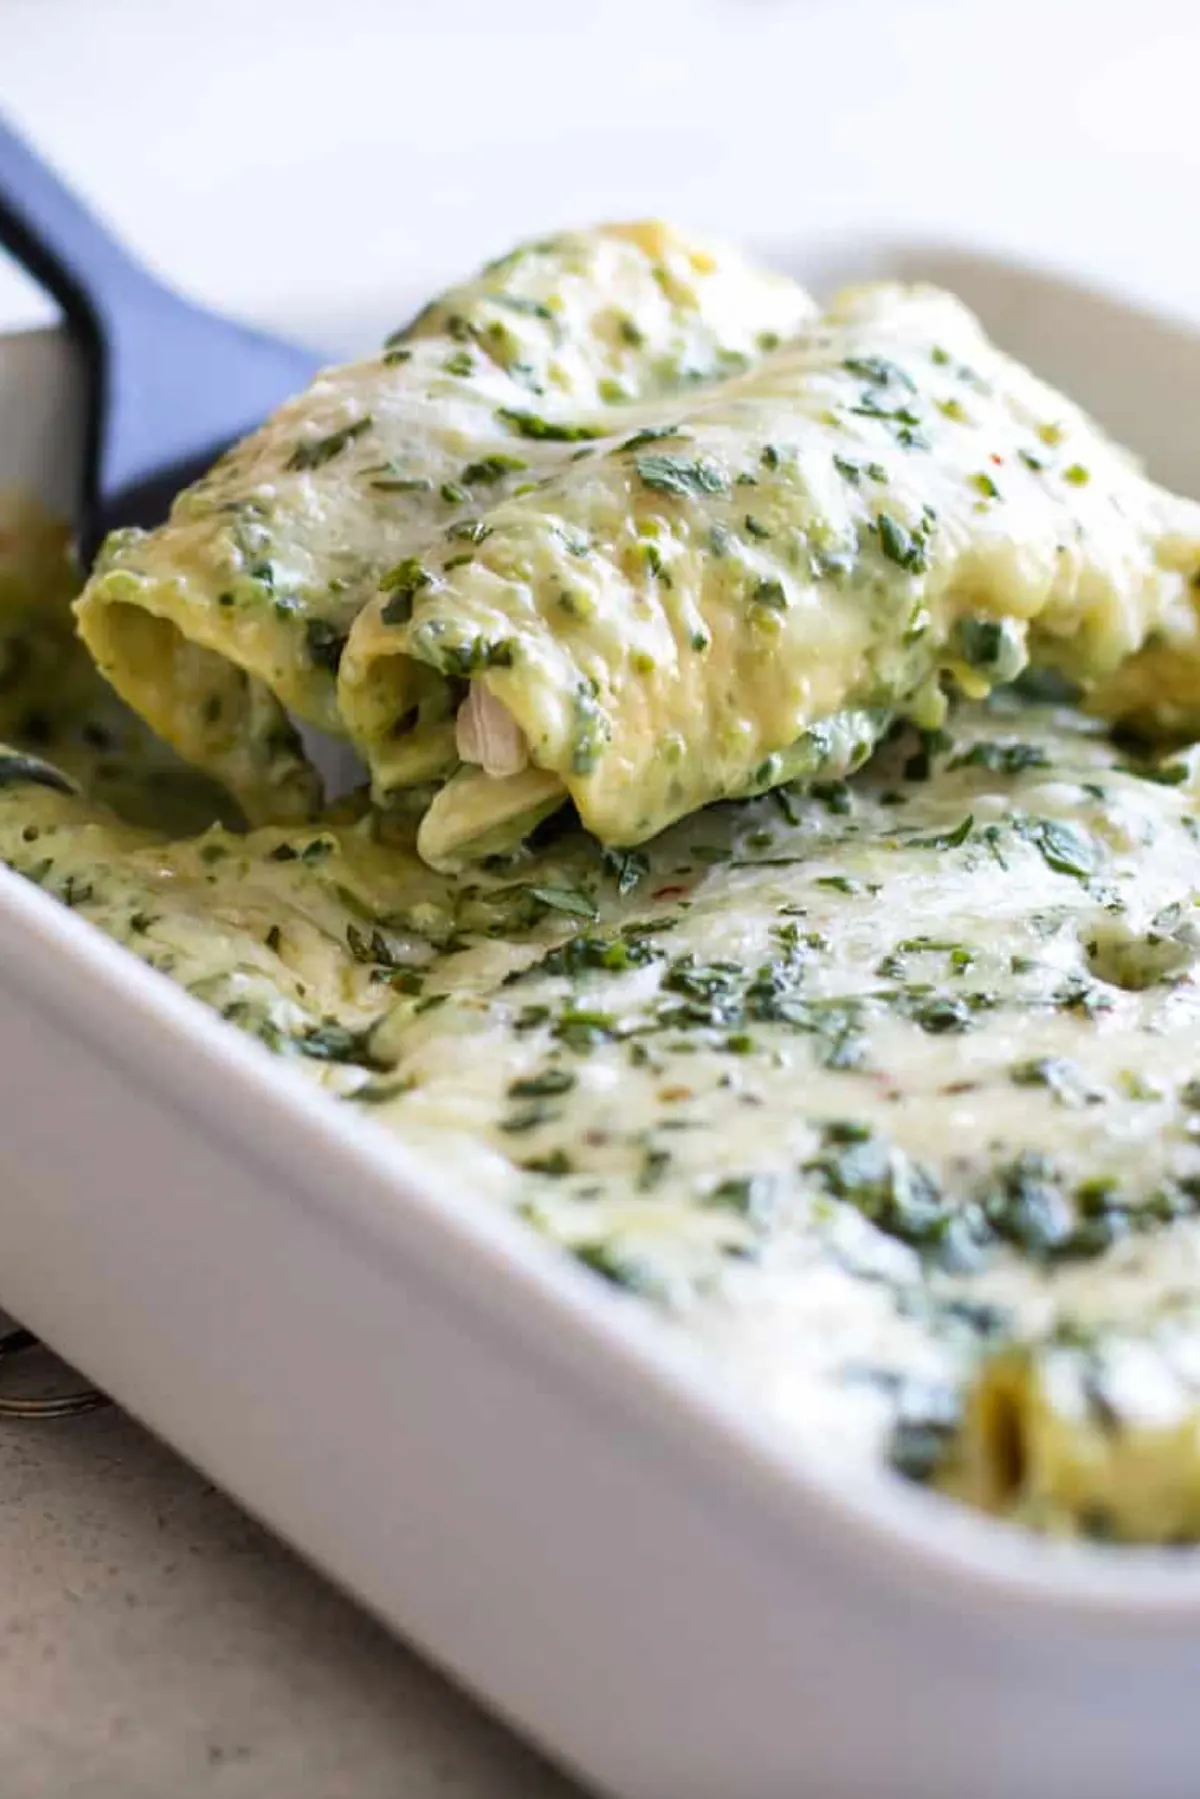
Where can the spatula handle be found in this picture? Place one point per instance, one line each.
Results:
(169, 385)
(71, 255)
(54, 236)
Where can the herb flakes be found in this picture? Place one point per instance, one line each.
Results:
(684, 477)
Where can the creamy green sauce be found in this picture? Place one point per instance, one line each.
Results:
(235, 614)
(883, 506)
(53, 702)
(869, 1091)
(879, 1084)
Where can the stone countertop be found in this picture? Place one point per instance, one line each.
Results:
(155, 1641)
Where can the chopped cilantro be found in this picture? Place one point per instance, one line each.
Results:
(905, 548)
(571, 900)
(403, 582)
(1064, 847)
(1003, 758)
(682, 476)
(492, 468)
(627, 867)
(879, 371)
(532, 425)
(945, 840)
(546, 1085)
(314, 452)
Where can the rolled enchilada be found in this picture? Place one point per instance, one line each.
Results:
(1092, 1428)
(750, 588)
(234, 614)
(52, 701)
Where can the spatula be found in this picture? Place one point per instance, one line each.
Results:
(169, 385)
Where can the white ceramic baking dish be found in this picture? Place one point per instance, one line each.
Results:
(514, 1468)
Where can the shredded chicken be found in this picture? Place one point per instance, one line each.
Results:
(486, 732)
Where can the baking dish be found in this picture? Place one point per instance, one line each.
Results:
(518, 1471)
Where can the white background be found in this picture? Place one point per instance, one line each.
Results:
(314, 165)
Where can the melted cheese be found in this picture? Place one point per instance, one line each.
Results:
(886, 500)
(883, 1091)
(236, 611)
(878, 1094)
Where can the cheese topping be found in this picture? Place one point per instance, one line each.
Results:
(875, 1072)
(886, 501)
(237, 611)
(885, 1095)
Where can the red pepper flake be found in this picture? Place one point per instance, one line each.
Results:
(998, 460)
(669, 892)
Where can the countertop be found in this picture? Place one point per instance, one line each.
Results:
(313, 167)
(155, 1641)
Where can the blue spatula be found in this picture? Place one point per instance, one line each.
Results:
(169, 385)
